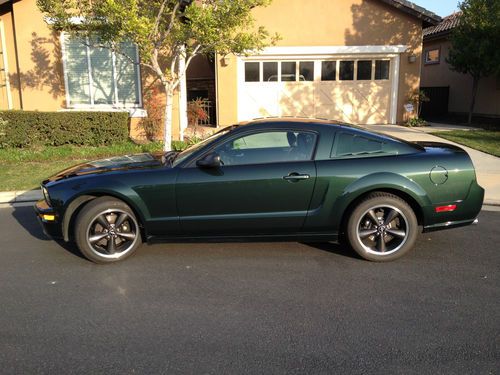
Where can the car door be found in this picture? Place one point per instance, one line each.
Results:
(263, 187)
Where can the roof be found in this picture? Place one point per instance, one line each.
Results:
(428, 17)
(443, 28)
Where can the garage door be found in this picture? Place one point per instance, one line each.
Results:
(354, 90)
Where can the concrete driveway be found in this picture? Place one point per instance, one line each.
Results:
(487, 166)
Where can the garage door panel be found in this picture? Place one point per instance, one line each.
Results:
(297, 99)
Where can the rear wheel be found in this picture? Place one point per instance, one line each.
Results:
(106, 230)
(382, 227)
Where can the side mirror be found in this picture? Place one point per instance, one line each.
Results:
(211, 160)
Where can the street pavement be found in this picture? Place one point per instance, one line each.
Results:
(250, 308)
(487, 166)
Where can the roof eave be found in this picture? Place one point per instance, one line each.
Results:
(426, 16)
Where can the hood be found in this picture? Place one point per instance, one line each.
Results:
(113, 164)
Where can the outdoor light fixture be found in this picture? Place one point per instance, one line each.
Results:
(225, 60)
(412, 58)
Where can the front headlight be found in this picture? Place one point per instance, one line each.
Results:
(46, 195)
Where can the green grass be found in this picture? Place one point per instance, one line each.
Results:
(24, 169)
(483, 140)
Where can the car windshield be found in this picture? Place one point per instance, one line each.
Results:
(192, 149)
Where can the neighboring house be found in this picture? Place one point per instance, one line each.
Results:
(352, 60)
(449, 91)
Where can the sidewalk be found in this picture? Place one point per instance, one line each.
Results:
(487, 166)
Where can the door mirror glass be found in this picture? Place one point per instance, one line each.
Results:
(211, 160)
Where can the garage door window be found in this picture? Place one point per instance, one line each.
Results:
(288, 72)
(346, 72)
(382, 68)
(270, 71)
(306, 71)
(328, 70)
(252, 72)
(364, 70)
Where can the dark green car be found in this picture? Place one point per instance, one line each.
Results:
(281, 179)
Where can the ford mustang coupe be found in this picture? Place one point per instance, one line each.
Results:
(281, 179)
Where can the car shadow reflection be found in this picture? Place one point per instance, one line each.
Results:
(334, 248)
(26, 217)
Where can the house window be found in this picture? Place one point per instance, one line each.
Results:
(97, 76)
(288, 72)
(364, 70)
(328, 70)
(306, 71)
(270, 71)
(433, 56)
(346, 72)
(382, 68)
(252, 72)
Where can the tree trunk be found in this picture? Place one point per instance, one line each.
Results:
(167, 121)
(475, 85)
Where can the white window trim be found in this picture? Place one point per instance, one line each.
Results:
(392, 53)
(133, 109)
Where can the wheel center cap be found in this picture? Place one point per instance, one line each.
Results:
(381, 228)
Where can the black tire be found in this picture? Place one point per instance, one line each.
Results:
(106, 230)
(382, 227)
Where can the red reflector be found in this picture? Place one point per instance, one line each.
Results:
(449, 208)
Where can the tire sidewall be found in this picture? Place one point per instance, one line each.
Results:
(88, 214)
(381, 199)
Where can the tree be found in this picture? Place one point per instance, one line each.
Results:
(475, 43)
(168, 33)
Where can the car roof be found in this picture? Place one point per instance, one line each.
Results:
(318, 123)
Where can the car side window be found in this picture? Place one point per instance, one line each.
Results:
(354, 145)
(268, 147)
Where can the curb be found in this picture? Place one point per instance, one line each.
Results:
(20, 196)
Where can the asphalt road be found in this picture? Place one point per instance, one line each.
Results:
(257, 308)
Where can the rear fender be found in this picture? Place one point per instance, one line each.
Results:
(377, 181)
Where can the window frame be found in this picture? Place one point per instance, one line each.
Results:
(117, 104)
(192, 163)
(426, 56)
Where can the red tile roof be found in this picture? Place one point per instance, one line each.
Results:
(448, 24)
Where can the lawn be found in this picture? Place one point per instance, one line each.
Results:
(24, 169)
(483, 140)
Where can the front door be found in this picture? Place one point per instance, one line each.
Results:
(264, 186)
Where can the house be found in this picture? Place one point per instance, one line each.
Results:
(351, 60)
(449, 91)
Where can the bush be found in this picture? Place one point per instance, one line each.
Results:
(33, 128)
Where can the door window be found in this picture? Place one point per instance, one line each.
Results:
(268, 147)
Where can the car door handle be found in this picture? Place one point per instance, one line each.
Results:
(296, 176)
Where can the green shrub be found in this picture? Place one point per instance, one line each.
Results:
(33, 128)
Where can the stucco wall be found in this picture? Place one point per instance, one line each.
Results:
(331, 23)
(440, 75)
(39, 59)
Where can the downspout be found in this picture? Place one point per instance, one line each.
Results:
(16, 53)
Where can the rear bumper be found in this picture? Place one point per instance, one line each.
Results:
(44, 214)
(465, 214)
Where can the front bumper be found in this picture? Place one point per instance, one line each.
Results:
(49, 219)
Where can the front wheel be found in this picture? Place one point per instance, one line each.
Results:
(106, 230)
(382, 227)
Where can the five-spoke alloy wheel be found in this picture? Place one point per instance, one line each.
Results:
(106, 230)
(382, 227)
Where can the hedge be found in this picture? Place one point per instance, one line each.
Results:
(33, 128)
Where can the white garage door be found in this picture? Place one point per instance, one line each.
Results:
(355, 90)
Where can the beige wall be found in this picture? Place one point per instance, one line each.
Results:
(331, 23)
(440, 75)
(39, 59)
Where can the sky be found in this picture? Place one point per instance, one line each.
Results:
(440, 7)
